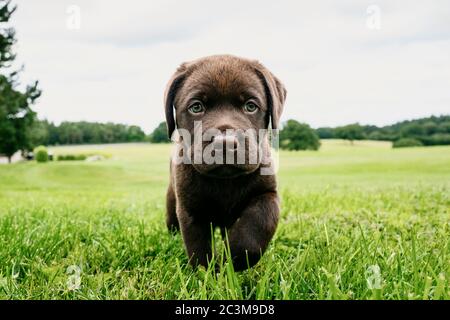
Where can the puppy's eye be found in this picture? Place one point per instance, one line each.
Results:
(250, 107)
(197, 108)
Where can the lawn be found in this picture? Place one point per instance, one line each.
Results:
(361, 221)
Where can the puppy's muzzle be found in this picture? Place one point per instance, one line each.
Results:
(226, 142)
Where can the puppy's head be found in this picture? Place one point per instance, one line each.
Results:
(222, 100)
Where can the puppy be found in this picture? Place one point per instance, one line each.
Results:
(223, 94)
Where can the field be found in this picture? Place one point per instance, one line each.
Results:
(358, 222)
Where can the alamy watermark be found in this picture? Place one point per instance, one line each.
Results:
(74, 278)
(229, 147)
(73, 21)
(373, 17)
(373, 277)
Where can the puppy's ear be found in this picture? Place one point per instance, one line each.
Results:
(172, 88)
(275, 91)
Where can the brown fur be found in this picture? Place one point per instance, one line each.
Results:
(235, 198)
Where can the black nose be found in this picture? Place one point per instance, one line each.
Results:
(228, 142)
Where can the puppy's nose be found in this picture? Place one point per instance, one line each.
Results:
(226, 142)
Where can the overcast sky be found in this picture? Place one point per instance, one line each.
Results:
(341, 61)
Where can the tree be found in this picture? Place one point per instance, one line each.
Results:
(135, 134)
(350, 132)
(325, 133)
(159, 135)
(16, 116)
(40, 133)
(444, 127)
(7, 35)
(412, 130)
(298, 136)
(430, 128)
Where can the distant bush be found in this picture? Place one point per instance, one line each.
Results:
(407, 142)
(72, 157)
(41, 154)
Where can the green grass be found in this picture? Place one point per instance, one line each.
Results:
(357, 222)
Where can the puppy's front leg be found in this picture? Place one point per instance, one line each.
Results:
(197, 239)
(251, 233)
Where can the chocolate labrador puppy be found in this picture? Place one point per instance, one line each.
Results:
(223, 94)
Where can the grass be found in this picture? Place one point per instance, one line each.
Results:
(358, 222)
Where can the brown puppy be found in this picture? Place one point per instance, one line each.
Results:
(225, 93)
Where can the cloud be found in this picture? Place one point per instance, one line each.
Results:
(336, 69)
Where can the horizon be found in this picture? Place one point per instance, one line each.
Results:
(283, 122)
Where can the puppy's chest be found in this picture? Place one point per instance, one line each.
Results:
(220, 202)
(219, 199)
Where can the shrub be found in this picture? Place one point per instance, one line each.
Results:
(407, 142)
(41, 154)
(71, 157)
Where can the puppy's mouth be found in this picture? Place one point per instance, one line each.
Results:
(228, 163)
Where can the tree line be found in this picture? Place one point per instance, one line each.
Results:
(434, 130)
(83, 132)
(294, 135)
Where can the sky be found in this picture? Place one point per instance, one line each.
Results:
(341, 61)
